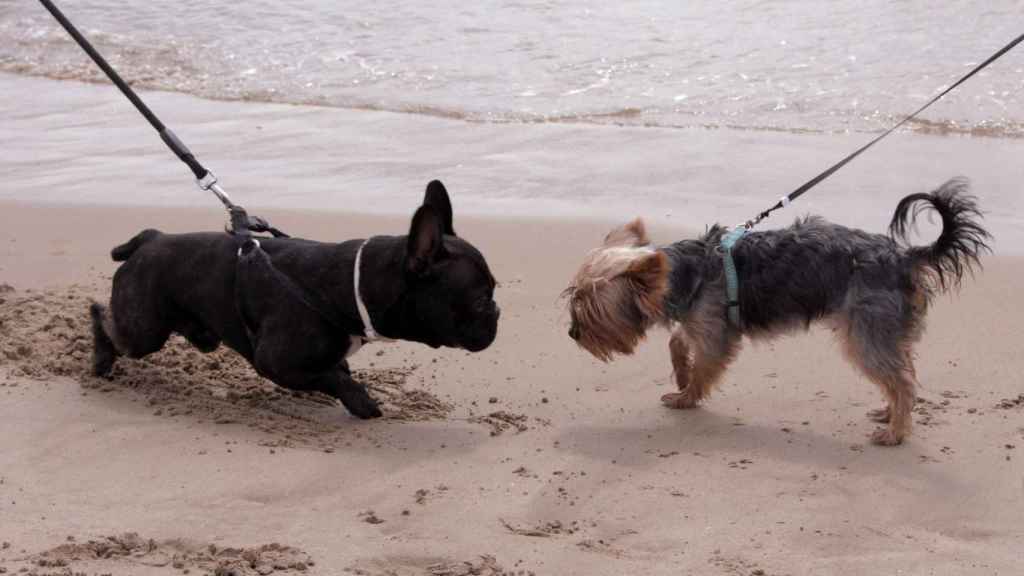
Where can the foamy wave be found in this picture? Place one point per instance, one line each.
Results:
(35, 46)
(31, 47)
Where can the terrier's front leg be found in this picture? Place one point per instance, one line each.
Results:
(681, 372)
(696, 375)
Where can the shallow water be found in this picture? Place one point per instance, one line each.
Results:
(757, 65)
(684, 113)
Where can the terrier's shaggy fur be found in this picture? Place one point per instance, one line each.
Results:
(874, 289)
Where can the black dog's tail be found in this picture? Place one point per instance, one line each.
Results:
(125, 251)
(962, 240)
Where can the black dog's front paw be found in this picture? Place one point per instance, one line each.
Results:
(354, 396)
(365, 407)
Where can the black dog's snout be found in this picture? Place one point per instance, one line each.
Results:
(574, 332)
(490, 310)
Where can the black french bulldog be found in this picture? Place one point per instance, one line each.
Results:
(291, 306)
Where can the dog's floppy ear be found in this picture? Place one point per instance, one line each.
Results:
(648, 275)
(629, 236)
(425, 241)
(437, 197)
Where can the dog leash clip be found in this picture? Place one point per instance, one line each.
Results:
(208, 183)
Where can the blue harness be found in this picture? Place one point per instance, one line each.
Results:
(732, 281)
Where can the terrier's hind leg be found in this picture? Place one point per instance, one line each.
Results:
(878, 342)
(899, 388)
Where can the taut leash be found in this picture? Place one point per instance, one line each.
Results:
(729, 240)
(785, 200)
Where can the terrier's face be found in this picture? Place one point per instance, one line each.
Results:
(617, 293)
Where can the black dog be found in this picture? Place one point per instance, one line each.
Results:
(295, 309)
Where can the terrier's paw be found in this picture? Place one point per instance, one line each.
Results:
(886, 437)
(678, 401)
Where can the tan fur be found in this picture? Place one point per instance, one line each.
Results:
(680, 354)
(897, 381)
(702, 349)
(631, 235)
(618, 292)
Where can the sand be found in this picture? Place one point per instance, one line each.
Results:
(528, 458)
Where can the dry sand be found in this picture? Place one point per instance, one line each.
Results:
(528, 457)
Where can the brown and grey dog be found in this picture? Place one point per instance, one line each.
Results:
(873, 288)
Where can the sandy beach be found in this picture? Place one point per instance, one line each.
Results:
(530, 457)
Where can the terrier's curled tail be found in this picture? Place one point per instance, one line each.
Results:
(962, 240)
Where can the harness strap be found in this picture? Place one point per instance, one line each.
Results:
(732, 281)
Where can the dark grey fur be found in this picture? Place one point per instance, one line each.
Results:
(814, 268)
(873, 288)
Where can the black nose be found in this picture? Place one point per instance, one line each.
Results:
(574, 332)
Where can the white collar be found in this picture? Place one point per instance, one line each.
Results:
(370, 335)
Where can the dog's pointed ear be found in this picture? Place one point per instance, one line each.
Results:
(629, 236)
(648, 275)
(426, 240)
(437, 197)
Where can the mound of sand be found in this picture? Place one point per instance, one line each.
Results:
(121, 552)
(484, 565)
(46, 333)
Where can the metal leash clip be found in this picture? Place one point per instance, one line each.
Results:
(208, 183)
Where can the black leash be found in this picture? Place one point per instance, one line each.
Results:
(241, 223)
(785, 200)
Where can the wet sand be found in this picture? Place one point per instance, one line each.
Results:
(530, 457)
(67, 142)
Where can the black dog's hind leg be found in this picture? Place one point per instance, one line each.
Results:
(198, 335)
(144, 334)
(103, 350)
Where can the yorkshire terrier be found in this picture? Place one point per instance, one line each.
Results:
(873, 289)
